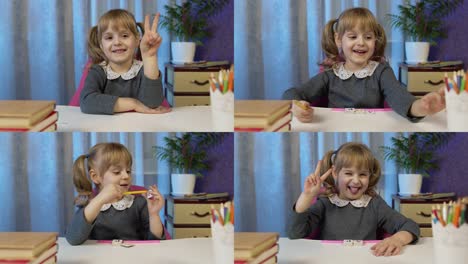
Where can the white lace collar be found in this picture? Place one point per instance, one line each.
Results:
(130, 74)
(361, 202)
(344, 74)
(122, 204)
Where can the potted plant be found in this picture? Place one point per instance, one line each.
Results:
(415, 157)
(188, 23)
(422, 25)
(187, 156)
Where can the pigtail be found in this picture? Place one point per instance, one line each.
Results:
(374, 178)
(327, 163)
(81, 181)
(328, 44)
(142, 33)
(380, 44)
(94, 48)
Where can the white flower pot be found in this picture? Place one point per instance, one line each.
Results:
(409, 183)
(183, 52)
(416, 52)
(182, 183)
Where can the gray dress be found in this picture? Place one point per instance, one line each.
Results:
(368, 92)
(129, 224)
(349, 222)
(99, 93)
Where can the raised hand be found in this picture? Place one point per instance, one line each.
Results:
(314, 181)
(110, 193)
(151, 40)
(156, 200)
(303, 112)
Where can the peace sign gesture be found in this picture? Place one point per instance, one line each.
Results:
(151, 40)
(314, 181)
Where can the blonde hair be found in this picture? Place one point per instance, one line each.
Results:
(348, 155)
(348, 20)
(100, 158)
(119, 18)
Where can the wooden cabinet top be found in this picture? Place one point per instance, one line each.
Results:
(196, 68)
(407, 199)
(178, 199)
(417, 68)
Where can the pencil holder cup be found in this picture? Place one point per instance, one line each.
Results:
(222, 111)
(450, 243)
(457, 110)
(222, 237)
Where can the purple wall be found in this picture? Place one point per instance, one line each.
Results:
(221, 176)
(453, 173)
(454, 46)
(221, 45)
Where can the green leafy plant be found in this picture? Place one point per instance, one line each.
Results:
(423, 20)
(189, 21)
(188, 153)
(416, 153)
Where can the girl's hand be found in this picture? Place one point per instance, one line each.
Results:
(390, 246)
(110, 193)
(429, 104)
(156, 202)
(314, 181)
(151, 40)
(303, 113)
(141, 108)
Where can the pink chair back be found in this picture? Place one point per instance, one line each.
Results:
(75, 101)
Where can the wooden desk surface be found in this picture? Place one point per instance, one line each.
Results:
(181, 119)
(314, 251)
(330, 120)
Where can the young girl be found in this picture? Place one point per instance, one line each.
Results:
(358, 78)
(351, 209)
(117, 82)
(110, 214)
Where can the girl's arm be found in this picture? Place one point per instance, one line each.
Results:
(155, 204)
(392, 246)
(429, 104)
(149, 46)
(108, 194)
(312, 185)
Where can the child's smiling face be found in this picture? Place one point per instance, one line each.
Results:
(351, 182)
(358, 47)
(118, 45)
(119, 175)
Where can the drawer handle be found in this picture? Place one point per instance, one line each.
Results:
(199, 83)
(200, 215)
(421, 213)
(434, 83)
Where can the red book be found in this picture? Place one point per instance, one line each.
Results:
(45, 125)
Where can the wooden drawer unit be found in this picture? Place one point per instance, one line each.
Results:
(186, 218)
(419, 210)
(422, 80)
(187, 86)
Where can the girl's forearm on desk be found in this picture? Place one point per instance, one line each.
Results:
(404, 237)
(124, 104)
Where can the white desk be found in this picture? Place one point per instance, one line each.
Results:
(191, 250)
(181, 119)
(303, 251)
(328, 120)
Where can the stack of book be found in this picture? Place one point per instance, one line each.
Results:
(28, 116)
(28, 247)
(260, 115)
(255, 248)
